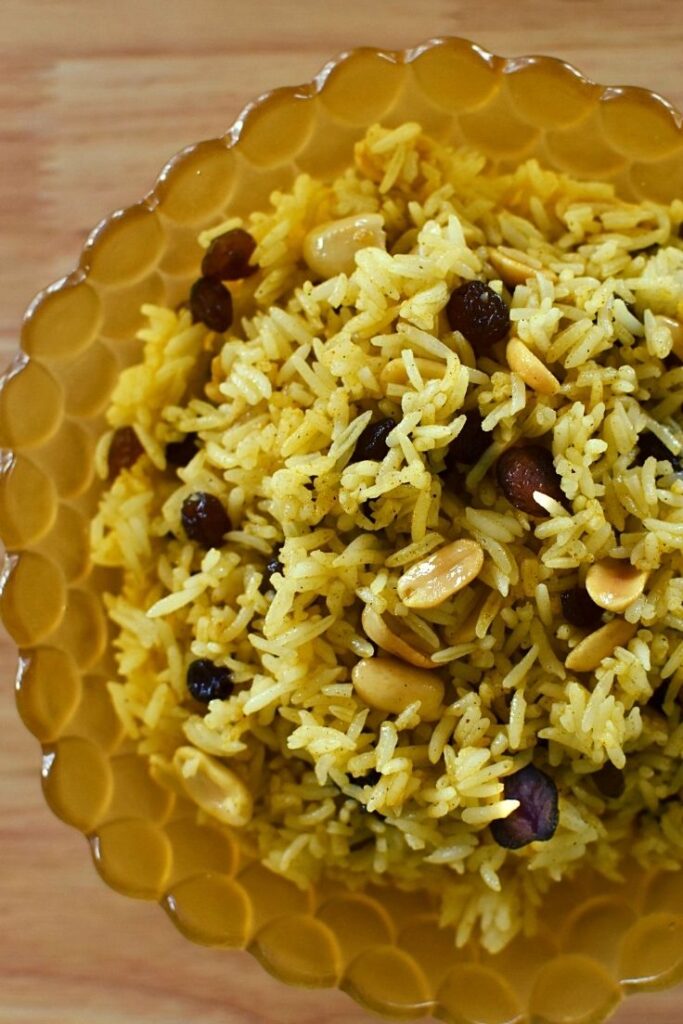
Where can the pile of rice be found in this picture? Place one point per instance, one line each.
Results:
(278, 404)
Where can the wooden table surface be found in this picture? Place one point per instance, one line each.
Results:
(94, 97)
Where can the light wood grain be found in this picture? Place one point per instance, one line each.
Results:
(94, 97)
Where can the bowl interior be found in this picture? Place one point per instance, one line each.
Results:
(384, 946)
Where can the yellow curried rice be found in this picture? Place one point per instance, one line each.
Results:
(278, 405)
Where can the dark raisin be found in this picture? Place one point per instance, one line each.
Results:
(609, 781)
(227, 258)
(124, 451)
(470, 444)
(369, 778)
(206, 681)
(273, 566)
(179, 453)
(361, 844)
(211, 304)
(579, 608)
(372, 443)
(204, 519)
(367, 509)
(521, 471)
(649, 445)
(658, 697)
(536, 818)
(476, 311)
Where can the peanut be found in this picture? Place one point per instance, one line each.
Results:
(588, 654)
(516, 267)
(428, 583)
(395, 371)
(676, 328)
(388, 685)
(614, 583)
(385, 630)
(530, 368)
(217, 790)
(331, 248)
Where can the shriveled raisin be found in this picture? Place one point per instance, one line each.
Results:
(124, 451)
(479, 313)
(526, 469)
(649, 445)
(369, 778)
(579, 608)
(211, 304)
(372, 443)
(207, 682)
(536, 818)
(658, 697)
(609, 781)
(227, 258)
(204, 519)
(179, 453)
(470, 444)
(273, 566)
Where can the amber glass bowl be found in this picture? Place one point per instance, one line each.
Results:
(599, 940)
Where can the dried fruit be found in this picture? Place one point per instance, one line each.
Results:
(204, 519)
(476, 311)
(610, 781)
(273, 566)
(649, 445)
(536, 818)
(372, 443)
(579, 608)
(369, 778)
(524, 470)
(228, 255)
(470, 444)
(124, 451)
(211, 304)
(207, 682)
(428, 583)
(180, 453)
(659, 696)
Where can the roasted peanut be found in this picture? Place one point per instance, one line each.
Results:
(217, 790)
(331, 248)
(394, 636)
(676, 328)
(395, 371)
(465, 630)
(523, 361)
(614, 583)
(516, 267)
(448, 570)
(388, 685)
(588, 654)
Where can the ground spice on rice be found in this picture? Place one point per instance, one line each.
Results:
(324, 433)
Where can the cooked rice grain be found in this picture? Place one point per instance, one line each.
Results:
(340, 788)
